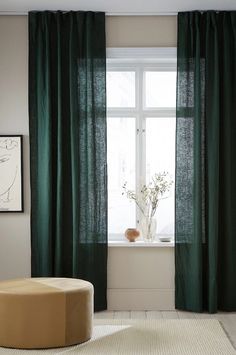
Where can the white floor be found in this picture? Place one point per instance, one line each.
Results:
(228, 320)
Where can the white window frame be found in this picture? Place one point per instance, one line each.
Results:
(140, 60)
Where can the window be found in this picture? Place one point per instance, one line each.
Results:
(141, 95)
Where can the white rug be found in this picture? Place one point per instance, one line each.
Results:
(145, 337)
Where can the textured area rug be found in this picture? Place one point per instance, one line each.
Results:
(145, 337)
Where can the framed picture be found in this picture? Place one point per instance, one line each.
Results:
(11, 174)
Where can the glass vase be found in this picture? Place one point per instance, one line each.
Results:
(148, 228)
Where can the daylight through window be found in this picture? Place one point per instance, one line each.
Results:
(141, 99)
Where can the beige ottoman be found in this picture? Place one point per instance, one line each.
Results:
(45, 312)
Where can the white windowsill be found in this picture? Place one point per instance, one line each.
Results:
(141, 243)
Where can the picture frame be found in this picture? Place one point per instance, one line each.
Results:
(11, 173)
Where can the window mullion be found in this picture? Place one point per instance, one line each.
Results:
(140, 143)
(143, 129)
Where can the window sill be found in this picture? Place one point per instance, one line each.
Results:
(140, 244)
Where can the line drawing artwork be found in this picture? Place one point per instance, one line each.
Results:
(10, 174)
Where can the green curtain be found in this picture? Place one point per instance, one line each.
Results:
(67, 118)
(205, 255)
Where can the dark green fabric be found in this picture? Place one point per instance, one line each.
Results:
(67, 116)
(206, 162)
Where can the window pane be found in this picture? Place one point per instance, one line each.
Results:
(120, 89)
(121, 168)
(160, 89)
(160, 156)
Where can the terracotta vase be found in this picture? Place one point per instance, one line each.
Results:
(132, 234)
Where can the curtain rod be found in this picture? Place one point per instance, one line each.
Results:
(24, 13)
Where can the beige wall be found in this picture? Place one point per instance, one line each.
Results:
(15, 228)
(141, 31)
(141, 278)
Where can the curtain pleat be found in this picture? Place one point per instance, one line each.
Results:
(67, 117)
(205, 257)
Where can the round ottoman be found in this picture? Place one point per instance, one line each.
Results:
(45, 312)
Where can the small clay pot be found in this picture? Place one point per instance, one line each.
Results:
(131, 234)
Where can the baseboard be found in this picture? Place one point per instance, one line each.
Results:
(140, 299)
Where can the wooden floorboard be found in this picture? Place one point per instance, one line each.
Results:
(154, 315)
(169, 314)
(138, 315)
(122, 315)
(104, 315)
(186, 315)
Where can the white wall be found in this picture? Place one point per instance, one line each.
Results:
(138, 278)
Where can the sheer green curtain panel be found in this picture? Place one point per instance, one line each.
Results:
(206, 162)
(67, 118)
